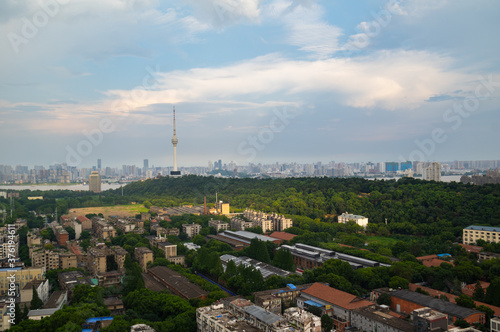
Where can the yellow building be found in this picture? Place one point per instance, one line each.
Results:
(143, 255)
(473, 233)
(95, 182)
(22, 277)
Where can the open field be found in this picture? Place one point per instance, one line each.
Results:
(385, 241)
(118, 210)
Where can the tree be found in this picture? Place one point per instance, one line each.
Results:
(36, 302)
(493, 293)
(384, 299)
(326, 323)
(461, 323)
(465, 301)
(478, 292)
(199, 239)
(398, 282)
(284, 260)
(85, 235)
(133, 279)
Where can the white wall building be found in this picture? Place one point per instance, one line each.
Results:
(360, 220)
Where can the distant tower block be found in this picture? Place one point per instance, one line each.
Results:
(174, 143)
(95, 182)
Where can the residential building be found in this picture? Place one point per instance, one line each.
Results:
(38, 314)
(303, 320)
(268, 222)
(114, 305)
(273, 299)
(77, 226)
(406, 301)
(237, 314)
(41, 287)
(97, 263)
(119, 255)
(143, 255)
(86, 223)
(57, 300)
(23, 276)
(191, 229)
(40, 257)
(473, 233)
(426, 319)
(218, 225)
(432, 172)
(125, 225)
(67, 260)
(102, 229)
(95, 182)
(69, 280)
(433, 260)
(495, 324)
(485, 255)
(333, 302)
(380, 319)
(61, 234)
(239, 224)
(360, 220)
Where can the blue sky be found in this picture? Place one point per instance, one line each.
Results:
(251, 81)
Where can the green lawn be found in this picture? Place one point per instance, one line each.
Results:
(385, 241)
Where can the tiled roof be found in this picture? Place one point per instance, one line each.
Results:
(282, 236)
(336, 297)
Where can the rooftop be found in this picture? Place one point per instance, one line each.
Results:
(177, 282)
(42, 312)
(484, 228)
(336, 297)
(282, 236)
(437, 304)
(262, 314)
(266, 270)
(377, 314)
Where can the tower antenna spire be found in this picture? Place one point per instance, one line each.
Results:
(174, 143)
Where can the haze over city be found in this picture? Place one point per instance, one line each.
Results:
(252, 81)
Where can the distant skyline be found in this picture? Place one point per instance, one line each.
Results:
(251, 81)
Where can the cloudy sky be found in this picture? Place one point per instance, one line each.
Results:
(251, 81)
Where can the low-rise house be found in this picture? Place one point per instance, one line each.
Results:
(333, 302)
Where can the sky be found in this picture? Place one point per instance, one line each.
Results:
(252, 81)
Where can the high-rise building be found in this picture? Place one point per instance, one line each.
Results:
(99, 164)
(432, 172)
(174, 143)
(95, 182)
(146, 165)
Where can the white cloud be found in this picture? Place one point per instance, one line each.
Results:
(388, 80)
(306, 27)
(223, 13)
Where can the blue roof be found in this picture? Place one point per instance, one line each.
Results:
(97, 319)
(311, 302)
(443, 255)
(484, 228)
(87, 330)
(292, 286)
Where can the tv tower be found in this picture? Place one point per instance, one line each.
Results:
(174, 143)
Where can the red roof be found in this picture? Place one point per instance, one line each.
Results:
(469, 289)
(473, 249)
(336, 297)
(82, 218)
(432, 260)
(282, 236)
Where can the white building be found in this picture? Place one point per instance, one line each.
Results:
(360, 220)
(432, 172)
(495, 324)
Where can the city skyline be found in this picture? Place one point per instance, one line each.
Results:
(262, 82)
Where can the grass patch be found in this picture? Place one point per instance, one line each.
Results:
(383, 240)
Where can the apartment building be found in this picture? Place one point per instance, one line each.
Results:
(268, 221)
(22, 277)
(191, 229)
(218, 225)
(473, 233)
(143, 255)
(102, 229)
(96, 261)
